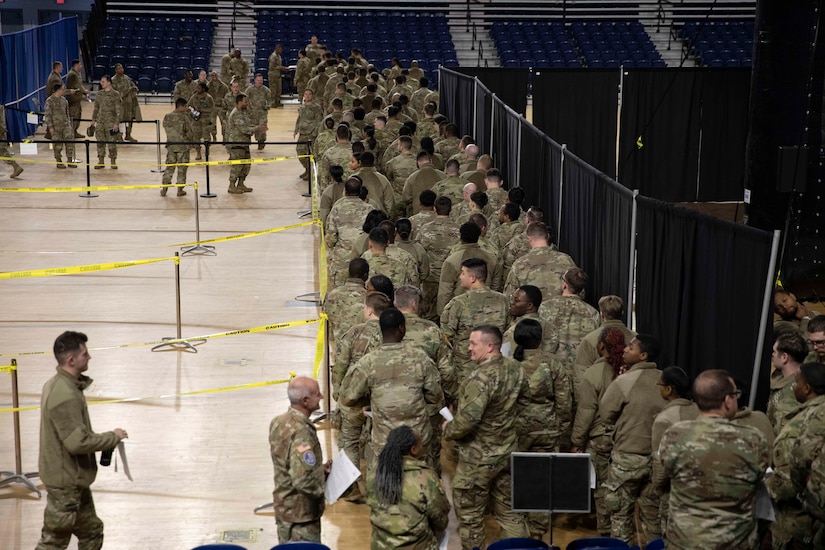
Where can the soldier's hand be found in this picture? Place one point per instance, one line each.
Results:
(444, 425)
(295, 135)
(327, 467)
(121, 433)
(116, 127)
(575, 450)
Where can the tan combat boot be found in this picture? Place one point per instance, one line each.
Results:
(17, 170)
(233, 189)
(100, 165)
(164, 190)
(243, 187)
(181, 192)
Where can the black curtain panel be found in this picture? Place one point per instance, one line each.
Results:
(481, 131)
(455, 94)
(539, 174)
(504, 148)
(509, 84)
(700, 284)
(596, 228)
(578, 107)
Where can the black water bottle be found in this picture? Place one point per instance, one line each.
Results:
(106, 457)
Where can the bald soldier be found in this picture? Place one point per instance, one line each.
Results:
(300, 474)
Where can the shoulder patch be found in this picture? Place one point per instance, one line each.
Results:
(303, 447)
(309, 458)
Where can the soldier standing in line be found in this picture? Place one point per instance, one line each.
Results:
(226, 74)
(239, 69)
(275, 67)
(241, 128)
(310, 115)
(260, 98)
(202, 106)
(128, 94)
(59, 124)
(178, 128)
(106, 119)
(217, 89)
(184, 88)
(343, 226)
(789, 351)
(303, 72)
(226, 106)
(51, 82)
(4, 144)
(437, 237)
(343, 303)
(300, 475)
(74, 85)
(542, 266)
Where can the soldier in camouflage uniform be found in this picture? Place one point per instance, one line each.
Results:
(449, 284)
(498, 196)
(525, 302)
(437, 237)
(300, 474)
(343, 226)
(276, 65)
(241, 128)
(714, 468)
(377, 183)
(239, 69)
(569, 319)
(53, 80)
(484, 431)
(403, 231)
(401, 167)
(542, 266)
(128, 94)
(178, 127)
(452, 186)
(400, 384)
(630, 404)
(519, 245)
(184, 88)
(227, 105)
(424, 178)
(611, 311)
(4, 144)
(408, 506)
(816, 338)
(789, 351)
(260, 99)
(107, 114)
(218, 90)
(339, 153)
(448, 146)
(59, 124)
(310, 115)
(75, 94)
(226, 76)
(794, 526)
(343, 303)
(303, 72)
(427, 201)
(509, 225)
(400, 273)
(479, 305)
(201, 102)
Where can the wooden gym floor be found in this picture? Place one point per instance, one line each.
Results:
(200, 463)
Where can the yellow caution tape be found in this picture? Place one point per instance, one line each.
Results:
(190, 164)
(778, 283)
(247, 235)
(639, 143)
(78, 269)
(13, 366)
(322, 264)
(320, 346)
(81, 189)
(264, 328)
(169, 396)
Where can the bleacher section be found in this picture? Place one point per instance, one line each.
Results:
(578, 44)
(380, 35)
(718, 43)
(154, 51)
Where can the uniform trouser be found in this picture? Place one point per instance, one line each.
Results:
(262, 118)
(302, 149)
(429, 296)
(628, 481)
(63, 134)
(104, 140)
(349, 439)
(476, 485)
(76, 113)
(434, 449)
(4, 152)
(238, 171)
(224, 125)
(201, 129)
(601, 465)
(300, 87)
(276, 86)
(793, 528)
(213, 129)
(310, 531)
(70, 511)
(175, 157)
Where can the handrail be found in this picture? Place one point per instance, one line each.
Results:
(473, 43)
(480, 53)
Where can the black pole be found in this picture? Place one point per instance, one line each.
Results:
(309, 171)
(88, 194)
(209, 194)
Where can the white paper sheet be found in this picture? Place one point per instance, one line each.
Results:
(505, 350)
(764, 506)
(592, 474)
(342, 474)
(445, 412)
(28, 148)
(122, 127)
(121, 451)
(443, 537)
(31, 118)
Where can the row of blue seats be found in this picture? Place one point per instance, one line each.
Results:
(720, 44)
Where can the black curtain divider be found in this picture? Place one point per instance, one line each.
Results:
(455, 96)
(596, 228)
(483, 103)
(540, 164)
(509, 84)
(700, 283)
(504, 149)
(579, 107)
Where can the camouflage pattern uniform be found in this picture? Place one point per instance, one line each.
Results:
(714, 467)
(398, 170)
(54, 78)
(426, 128)
(423, 178)
(421, 511)
(447, 147)
(227, 106)
(4, 144)
(675, 411)
(260, 100)
(449, 285)
(781, 400)
(516, 248)
(202, 127)
(418, 220)
(399, 382)
(755, 419)
(541, 267)
(178, 127)
(478, 306)
(337, 153)
(185, 90)
(587, 354)
(451, 187)
(569, 319)
(399, 273)
(274, 76)
(343, 304)
(793, 524)
(323, 141)
(57, 117)
(378, 186)
(461, 211)
(437, 237)
(298, 498)
(508, 341)
(239, 70)
(107, 113)
(303, 71)
(498, 197)
(342, 227)
(631, 403)
(807, 467)
(484, 431)
(306, 126)
(226, 76)
(241, 128)
(75, 98)
(128, 94)
(591, 434)
(419, 255)
(545, 413)
(218, 91)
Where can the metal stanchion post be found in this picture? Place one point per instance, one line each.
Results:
(17, 476)
(159, 169)
(202, 249)
(208, 194)
(88, 194)
(176, 344)
(309, 173)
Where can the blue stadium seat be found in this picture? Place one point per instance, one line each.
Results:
(164, 85)
(145, 84)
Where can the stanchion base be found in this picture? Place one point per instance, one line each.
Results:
(158, 170)
(199, 249)
(312, 297)
(306, 195)
(318, 416)
(188, 346)
(208, 195)
(266, 506)
(304, 214)
(88, 196)
(22, 479)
